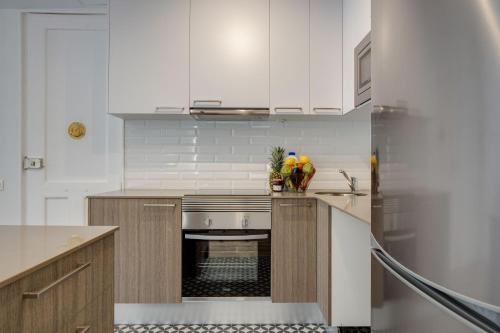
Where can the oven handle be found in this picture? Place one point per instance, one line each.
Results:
(225, 238)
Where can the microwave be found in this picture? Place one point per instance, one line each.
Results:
(362, 71)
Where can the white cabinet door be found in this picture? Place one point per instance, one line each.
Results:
(229, 53)
(326, 56)
(351, 267)
(149, 56)
(356, 25)
(289, 56)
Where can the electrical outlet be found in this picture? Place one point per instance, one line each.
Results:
(1, 184)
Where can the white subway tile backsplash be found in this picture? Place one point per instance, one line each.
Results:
(249, 167)
(234, 158)
(250, 132)
(162, 140)
(214, 149)
(188, 154)
(214, 166)
(180, 132)
(162, 158)
(196, 157)
(214, 184)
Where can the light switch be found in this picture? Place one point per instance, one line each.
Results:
(1, 184)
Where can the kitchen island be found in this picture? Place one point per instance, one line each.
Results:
(56, 278)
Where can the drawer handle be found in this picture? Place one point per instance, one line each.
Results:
(288, 110)
(326, 110)
(39, 293)
(168, 109)
(296, 205)
(83, 329)
(160, 205)
(207, 101)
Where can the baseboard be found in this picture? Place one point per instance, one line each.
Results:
(226, 312)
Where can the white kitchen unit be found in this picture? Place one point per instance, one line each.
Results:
(351, 262)
(289, 81)
(326, 56)
(149, 57)
(356, 25)
(229, 53)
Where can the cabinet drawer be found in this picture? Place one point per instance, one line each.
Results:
(50, 297)
(95, 317)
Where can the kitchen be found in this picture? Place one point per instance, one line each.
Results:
(231, 166)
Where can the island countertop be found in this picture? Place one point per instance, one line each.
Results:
(24, 249)
(356, 206)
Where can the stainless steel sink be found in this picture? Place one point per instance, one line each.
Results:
(341, 194)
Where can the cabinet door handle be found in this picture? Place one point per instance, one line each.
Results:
(296, 205)
(159, 205)
(83, 329)
(288, 110)
(168, 109)
(37, 294)
(207, 101)
(326, 110)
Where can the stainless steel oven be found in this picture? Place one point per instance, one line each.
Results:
(226, 247)
(362, 72)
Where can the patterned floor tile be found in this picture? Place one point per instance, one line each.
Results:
(222, 328)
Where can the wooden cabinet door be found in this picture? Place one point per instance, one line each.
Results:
(289, 76)
(229, 53)
(293, 260)
(326, 56)
(149, 56)
(148, 247)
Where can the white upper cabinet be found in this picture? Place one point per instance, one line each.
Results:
(149, 56)
(326, 56)
(229, 53)
(289, 44)
(356, 25)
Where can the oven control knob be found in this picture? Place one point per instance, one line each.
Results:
(208, 222)
(244, 222)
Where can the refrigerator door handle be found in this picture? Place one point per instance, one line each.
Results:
(445, 301)
(464, 299)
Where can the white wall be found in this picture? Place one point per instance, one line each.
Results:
(233, 155)
(10, 116)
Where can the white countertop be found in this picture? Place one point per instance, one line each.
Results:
(24, 249)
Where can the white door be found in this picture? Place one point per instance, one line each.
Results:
(149, 56)
(289, 56)
(229, 53)
(326, 56)
(65, 70)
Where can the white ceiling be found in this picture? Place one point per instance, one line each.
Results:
(50, 4)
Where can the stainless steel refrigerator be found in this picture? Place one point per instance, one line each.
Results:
(436, 165)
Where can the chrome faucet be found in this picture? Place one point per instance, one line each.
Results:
(351, 181)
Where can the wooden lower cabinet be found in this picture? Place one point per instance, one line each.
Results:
(293, 258)
(70, 285)
(148, 247)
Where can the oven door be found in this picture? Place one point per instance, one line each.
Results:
(226, 263)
